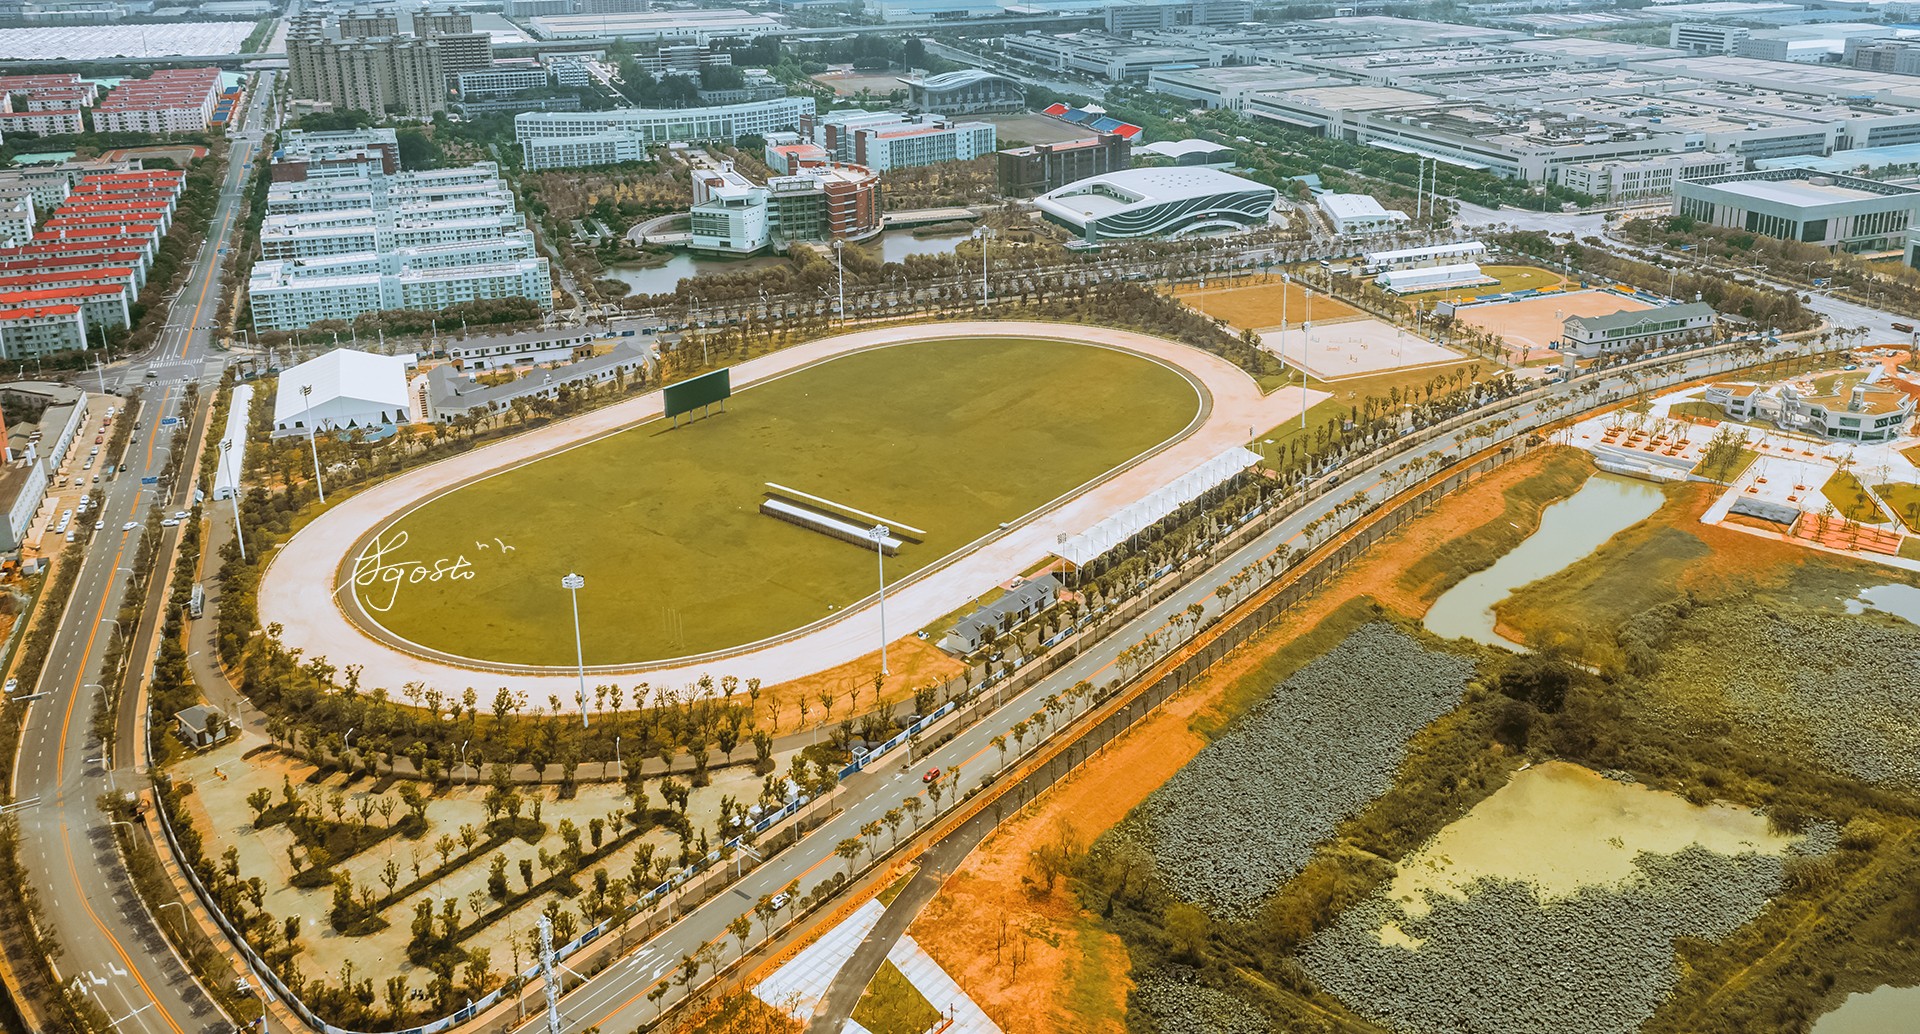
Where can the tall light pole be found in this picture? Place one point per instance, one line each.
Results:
(840, 267)
(879, 533)
(573, 583)
(233, 494)
(306, 395)
(984, 234)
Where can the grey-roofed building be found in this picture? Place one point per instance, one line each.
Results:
(1639, 328)
(969, 91)
(1023, 601)
(449, 395)
(201, 726)
(1846, 213)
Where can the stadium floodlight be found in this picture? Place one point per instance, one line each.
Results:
(573, 583)
(879, 533)
(233, 494)
(306, 395)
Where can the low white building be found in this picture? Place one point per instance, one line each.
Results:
(1432, 278)
(1357, 214)
(350, 390)
(1588, 336)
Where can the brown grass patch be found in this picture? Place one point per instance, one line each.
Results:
(914, 663)
(1251, 303)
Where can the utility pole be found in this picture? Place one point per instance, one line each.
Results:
(233, 494)
(548, 975)
(879, 533)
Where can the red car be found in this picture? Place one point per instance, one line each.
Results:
(932, 774)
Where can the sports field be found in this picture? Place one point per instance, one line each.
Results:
(1263, 306)
(953, 437)
(1536, 323)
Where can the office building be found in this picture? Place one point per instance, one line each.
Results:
(892, 140)
(1359, 214)
(1027, 171)
(1149, 202)
(1707, 38)
(499, 81)
(1156, 16)
(552, 140)
(969, 91)
(1646, 177)
(1109, 57)
(821, 202)
(1589, 336)
(1845, 213)
(684, 58)
(176, 100)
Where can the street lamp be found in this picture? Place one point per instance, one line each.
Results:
(233, 494)
(879, 533)
(306, 395)
(984, 234)
(573, 583)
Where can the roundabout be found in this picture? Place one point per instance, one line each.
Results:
(988, 441)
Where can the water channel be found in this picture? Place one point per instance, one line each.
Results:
(890, 246)
(1569, 530)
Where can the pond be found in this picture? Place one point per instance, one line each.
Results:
(679, 266)
(896, 245)
(1901, 601)
(1560, 827)
(1883, 1010)
(1569, 530)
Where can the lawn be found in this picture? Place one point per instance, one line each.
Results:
(1851, 499)
(953, 437)
(891, 1005)
(1903, 500)
(1520, 278)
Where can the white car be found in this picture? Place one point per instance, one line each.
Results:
(179, 515)
(170, 523)
(13, 685)
(130, 526)
(100, 524)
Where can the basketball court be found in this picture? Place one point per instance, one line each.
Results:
(1354, 348)
(1536, 323)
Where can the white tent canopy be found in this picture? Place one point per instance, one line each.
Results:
(1129, 521)
(350, 389)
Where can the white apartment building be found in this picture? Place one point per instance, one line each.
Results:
(40, 329)
(889, 140)
(40, 123)
(539, 132)
(336, 246)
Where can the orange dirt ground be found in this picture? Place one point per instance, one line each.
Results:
(1256, 304)
(1074, 976)
(914, 663)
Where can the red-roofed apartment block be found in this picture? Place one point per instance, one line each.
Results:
(41, 123)
(40, 329)
(43, 279)
(104, 305)
(172, 100)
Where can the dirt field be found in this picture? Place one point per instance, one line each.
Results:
(851, 84)
(1262, 305)
(1075, 974)
(179, 155)
(1535, 323)
(1028, 128)
(913, 664)
(1355, 348)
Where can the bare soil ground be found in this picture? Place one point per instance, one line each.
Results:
(912, 662)
(1256, 303)
(1074, 975)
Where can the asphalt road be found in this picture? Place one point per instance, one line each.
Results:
(110, 941)
(615, 999)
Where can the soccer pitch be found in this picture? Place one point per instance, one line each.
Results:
(953, 437)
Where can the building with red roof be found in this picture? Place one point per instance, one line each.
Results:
(103, 305)
(171, 100)
(33, 330)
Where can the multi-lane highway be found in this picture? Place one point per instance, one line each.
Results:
(111, 943)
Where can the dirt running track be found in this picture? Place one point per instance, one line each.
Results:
(308, 563)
